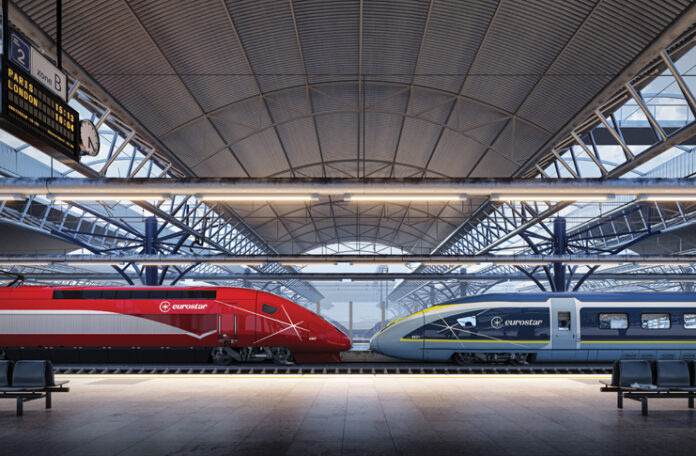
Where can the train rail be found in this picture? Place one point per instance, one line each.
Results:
(343, 369)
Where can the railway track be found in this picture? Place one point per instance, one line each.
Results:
(343, 369)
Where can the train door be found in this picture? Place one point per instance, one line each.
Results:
(238, 323)
(228, 328)
(564, 324)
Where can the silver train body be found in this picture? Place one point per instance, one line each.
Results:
(558, 327)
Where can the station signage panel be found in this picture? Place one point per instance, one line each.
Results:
(34, 63)
(32, 110)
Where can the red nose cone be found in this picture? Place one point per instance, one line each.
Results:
(340, 340)
(345, 342)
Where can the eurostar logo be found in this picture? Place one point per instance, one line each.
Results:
(165, 306)
(497, 322)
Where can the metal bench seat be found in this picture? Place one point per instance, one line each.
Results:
(641, 381)
(30, 380)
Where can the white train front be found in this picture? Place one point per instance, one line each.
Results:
(546, 327)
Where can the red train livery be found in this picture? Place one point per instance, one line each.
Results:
(236, 323)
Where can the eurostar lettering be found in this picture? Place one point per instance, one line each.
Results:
(189, 306)
(522, 322)
(166, 306)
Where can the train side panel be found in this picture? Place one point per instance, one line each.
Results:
(550, 328)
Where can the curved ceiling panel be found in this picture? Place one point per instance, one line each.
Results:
(349, 88)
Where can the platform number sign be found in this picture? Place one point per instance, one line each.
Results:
(20, 52)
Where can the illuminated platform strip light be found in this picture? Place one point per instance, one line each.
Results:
(435, 197)
(279, 197)
(551, 197)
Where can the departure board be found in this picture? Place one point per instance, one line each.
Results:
(34, 114)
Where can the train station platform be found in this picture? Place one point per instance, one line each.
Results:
(356, 414)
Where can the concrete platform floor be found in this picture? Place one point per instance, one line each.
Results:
(343, 415)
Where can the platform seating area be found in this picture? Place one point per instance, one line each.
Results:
(642, 380)
(26, 381)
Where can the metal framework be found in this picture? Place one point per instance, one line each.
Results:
(578, 155)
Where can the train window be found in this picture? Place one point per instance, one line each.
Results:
(613, 321)
(134, 294)
(655, 321)
(564, 321)
(690, 321)
(268, 309)
(467, 322)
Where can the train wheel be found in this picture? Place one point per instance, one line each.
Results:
(463, 358)
(220, 356)
(519, 359)
(282, 355)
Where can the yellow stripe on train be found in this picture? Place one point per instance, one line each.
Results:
(479, 341)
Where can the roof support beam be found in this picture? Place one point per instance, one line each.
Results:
(377, 188)
(453, 260)
(338, 277)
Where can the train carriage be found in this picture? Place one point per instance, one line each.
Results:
(230, 323)
(545, 327)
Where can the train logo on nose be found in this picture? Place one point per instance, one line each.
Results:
(165, 306)
(497, 322)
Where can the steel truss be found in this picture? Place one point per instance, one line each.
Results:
(577, 155)
(195, 225)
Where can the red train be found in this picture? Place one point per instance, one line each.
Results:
(236, 324)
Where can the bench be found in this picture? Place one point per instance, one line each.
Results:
(27, 381)
(642, 380)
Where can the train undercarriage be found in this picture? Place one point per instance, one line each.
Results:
(493, 358)
(145, 355)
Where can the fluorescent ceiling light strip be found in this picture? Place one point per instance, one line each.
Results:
(24, 264)
(666, 197)
(98, 197)
(258, 197)
(449, 263)
(404, 197)
(92, 263)
(166, 263)
(234, 263)
(309, 263)
(551, 197)
(11, 197)
(677, 263)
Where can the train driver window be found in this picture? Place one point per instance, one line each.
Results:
(467, 322)
(268, 309)
(564, 321)
(655, 321)
(690, 321)
(613, 321)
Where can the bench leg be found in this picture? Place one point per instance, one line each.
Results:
(619, 400)
(644, 405)
(691, 400)
(48, 399)
(20, 406)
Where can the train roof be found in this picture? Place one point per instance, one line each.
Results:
(585, 297)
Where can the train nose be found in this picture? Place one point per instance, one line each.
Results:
(374, 344)
(340, 340)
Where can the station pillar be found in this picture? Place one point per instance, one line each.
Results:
(384, 314)
(350, 320)
(560, 243)
(150, 239)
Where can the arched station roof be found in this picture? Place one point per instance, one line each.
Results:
(372, 88)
